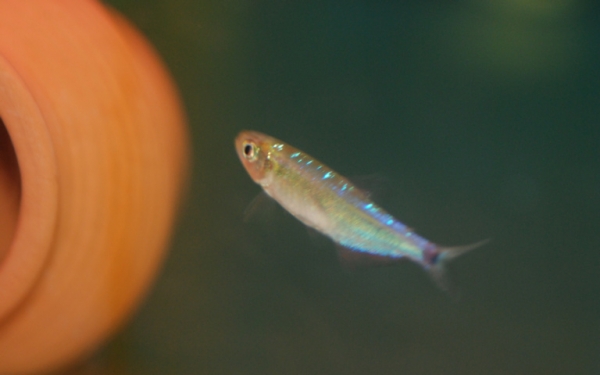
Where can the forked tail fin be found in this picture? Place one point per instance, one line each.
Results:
(437, 267)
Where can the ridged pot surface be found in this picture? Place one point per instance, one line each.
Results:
(93, 155)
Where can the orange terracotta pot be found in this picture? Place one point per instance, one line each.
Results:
(93, 154)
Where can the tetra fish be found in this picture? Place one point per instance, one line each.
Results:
(328, 202)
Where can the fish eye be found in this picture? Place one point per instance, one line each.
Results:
(250, 151)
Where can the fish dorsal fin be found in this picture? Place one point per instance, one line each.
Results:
(354, 259)
(373, 186)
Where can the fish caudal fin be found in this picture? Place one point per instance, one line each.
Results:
(437, 264)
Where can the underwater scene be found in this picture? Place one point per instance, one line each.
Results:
(465, 120)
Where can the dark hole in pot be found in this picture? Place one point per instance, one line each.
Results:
(10, 191)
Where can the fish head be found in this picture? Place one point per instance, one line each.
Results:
(255, 151)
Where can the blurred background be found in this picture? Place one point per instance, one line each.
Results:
(483, 116)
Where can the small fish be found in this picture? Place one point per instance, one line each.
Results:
(328, 202)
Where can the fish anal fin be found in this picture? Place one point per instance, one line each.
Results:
(352, 259)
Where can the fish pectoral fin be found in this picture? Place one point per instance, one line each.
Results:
(261, 203)
(353, 259)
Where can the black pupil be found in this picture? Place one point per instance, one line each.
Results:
(248, 150)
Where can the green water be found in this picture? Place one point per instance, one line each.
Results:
(485, 119)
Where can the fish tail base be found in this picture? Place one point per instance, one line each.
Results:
(438, 262)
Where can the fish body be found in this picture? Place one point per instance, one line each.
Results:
(328, 202)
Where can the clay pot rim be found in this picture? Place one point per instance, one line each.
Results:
(22, 265)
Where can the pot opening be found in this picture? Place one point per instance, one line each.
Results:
(10, 191)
